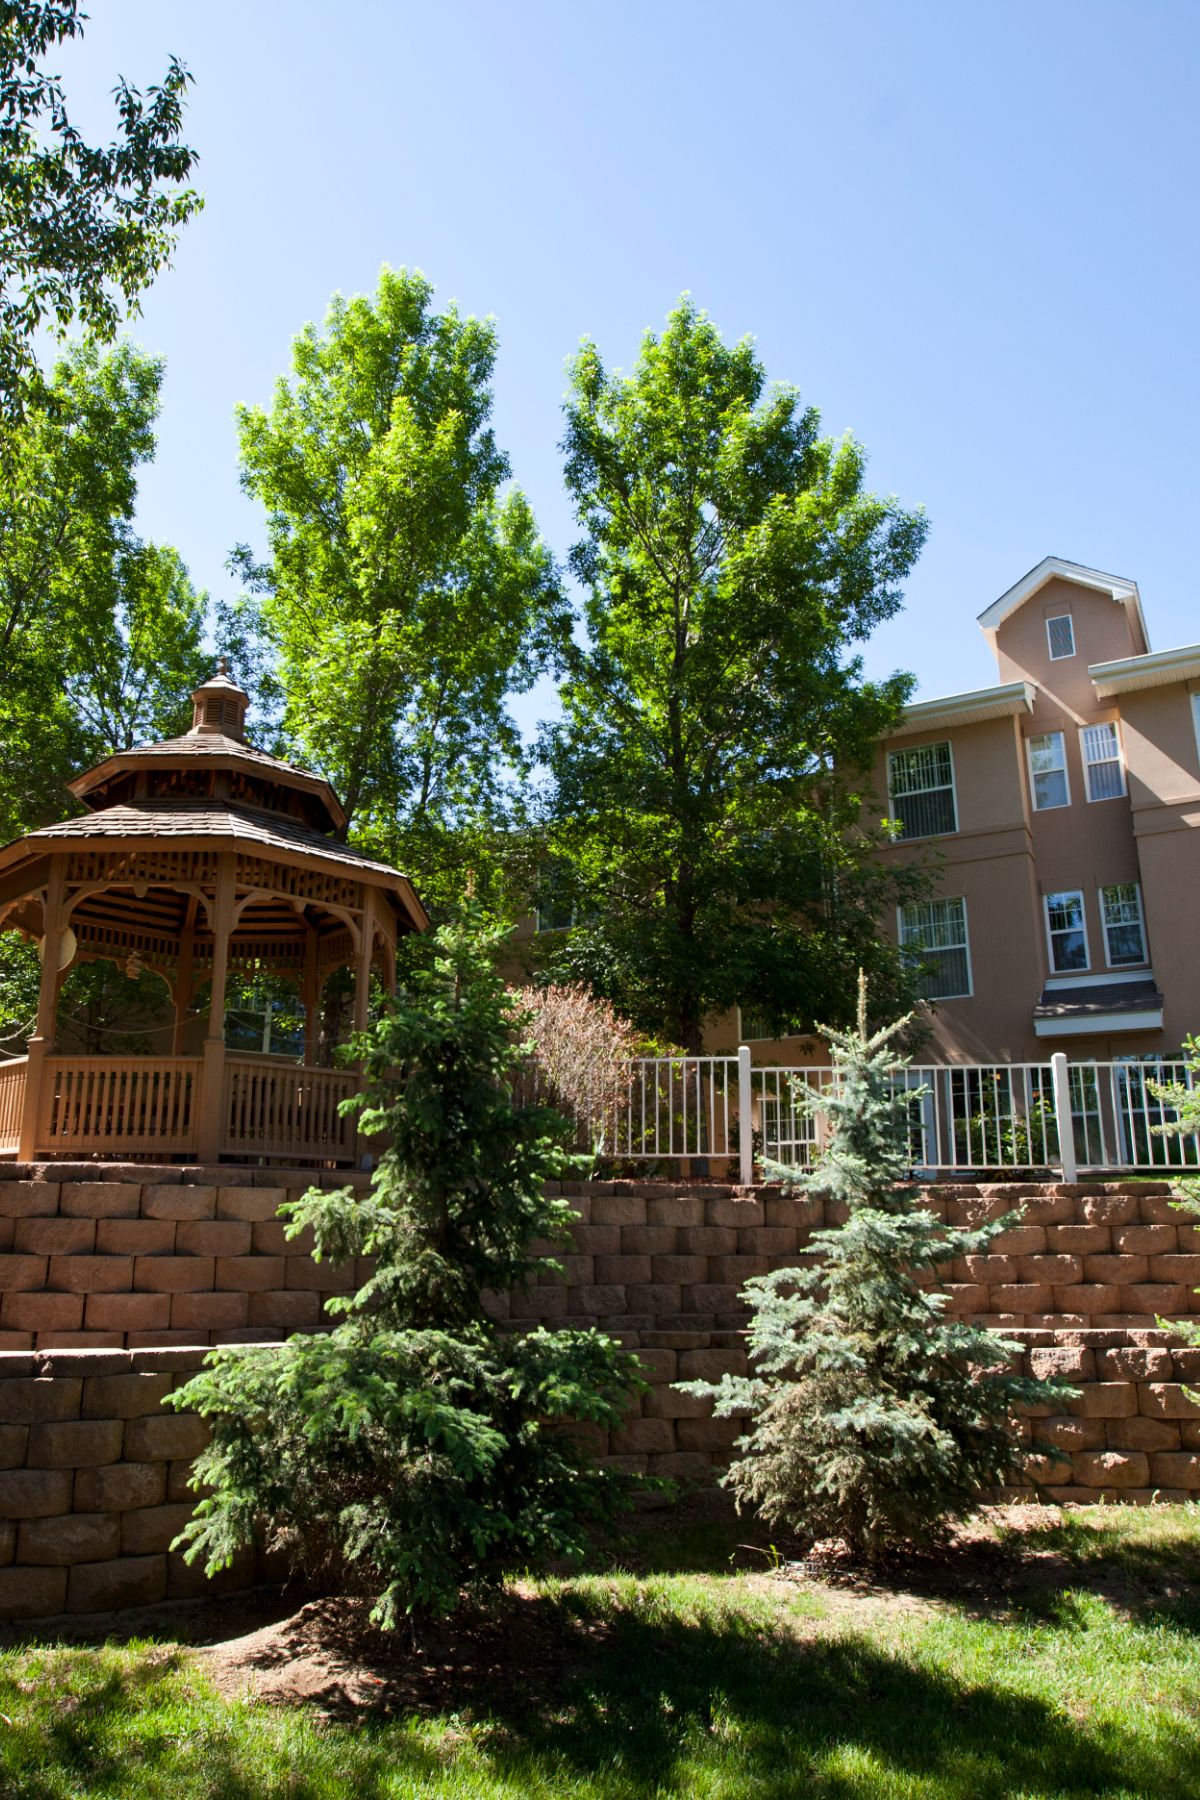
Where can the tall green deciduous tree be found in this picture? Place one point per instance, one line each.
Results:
(100, 633)
(405, 595)
(137, 684)
(83, 228)
(706, 775)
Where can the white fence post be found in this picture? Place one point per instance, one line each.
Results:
(745, 1118)
(1062, 1108)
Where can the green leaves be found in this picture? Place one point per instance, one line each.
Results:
(101, 634)
(706, 778)
(83, 228)
(406, 596)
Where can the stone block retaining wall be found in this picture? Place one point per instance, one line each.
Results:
(93, 1482)
(113, 1280)
(112, 1256)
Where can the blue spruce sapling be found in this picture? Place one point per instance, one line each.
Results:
(873, 1416)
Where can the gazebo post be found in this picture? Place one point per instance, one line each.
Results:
(41, 1044)
(212, 1087)
(183, 977)
(312, 993)
(366, 955)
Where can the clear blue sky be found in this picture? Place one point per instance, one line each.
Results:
(967, 232)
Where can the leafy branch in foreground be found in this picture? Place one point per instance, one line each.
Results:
(83, 227)
(421, 1449)
(874, 1418)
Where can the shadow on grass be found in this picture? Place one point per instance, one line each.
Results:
(830, 1716)
(1144, 1562)
(136, 1728)
(635, 1702)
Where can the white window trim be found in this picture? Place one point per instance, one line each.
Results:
(1053, 620)
(922, 837)
(1194, 701)
(1066, 770)
(1108, 961)
(969, 991)
(1098, 799)
(1087, 949)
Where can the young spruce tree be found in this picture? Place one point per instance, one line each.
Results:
(420, 1449)
(874, 1418)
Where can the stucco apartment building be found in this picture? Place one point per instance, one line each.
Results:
(1061, 807)
(1059, 814)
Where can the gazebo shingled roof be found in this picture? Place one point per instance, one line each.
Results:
(195, 855)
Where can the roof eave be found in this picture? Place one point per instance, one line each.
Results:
(1130, 673)
(973, 708)
(125, 761)
(1149, 1019)
(1051, 568)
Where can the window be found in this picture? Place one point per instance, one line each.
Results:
(933, 935)
(1124, 932)
(1048, 771)
(756, 1023)
(921, 788)
(1196, 717)
(1067, 932)
(1102, 762)
(558, 916)
(1060, 634)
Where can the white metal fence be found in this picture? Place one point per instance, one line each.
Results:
(1013, 1117)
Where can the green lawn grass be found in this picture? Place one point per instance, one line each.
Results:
(1062, 1659)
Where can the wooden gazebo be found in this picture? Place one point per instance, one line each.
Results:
(196, 857)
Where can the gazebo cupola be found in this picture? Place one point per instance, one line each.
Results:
(195, 857)
(219, 706)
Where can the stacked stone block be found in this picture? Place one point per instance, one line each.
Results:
(105, 1257)
(1132, 1432)
(93, 1482)
(114, 1280)
(1099, 1255)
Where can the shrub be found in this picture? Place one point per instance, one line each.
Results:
(579, 1052)
(873, 1417)
(420, 1450)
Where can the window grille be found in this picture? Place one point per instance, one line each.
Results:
(1048, 771)
(754, 1024)
(1068, 933)
(933, 935)
(1102, 762)
(1060, 633)
(1124, 930)
(921, 790)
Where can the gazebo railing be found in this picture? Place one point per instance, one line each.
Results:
(279, 1109)
(119, 1103)
(12, 1102)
